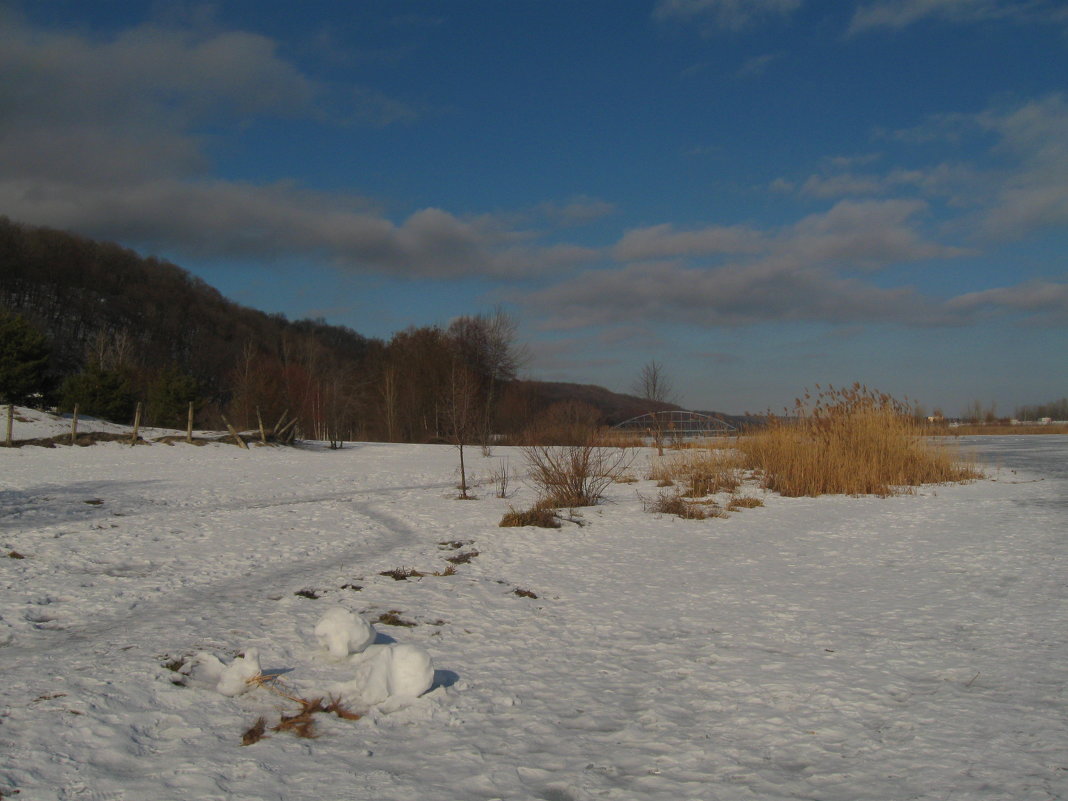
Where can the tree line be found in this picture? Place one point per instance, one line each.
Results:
(96, 324)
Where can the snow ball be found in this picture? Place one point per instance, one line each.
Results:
(341, 632)
(234, 679)
(203, 668)
(411, 672)
(398, 670)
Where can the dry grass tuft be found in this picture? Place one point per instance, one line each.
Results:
(743, 502)
(539, 516)
(402, 573)
(462, 558)
(849, 441)
(302, 724)
(393, 618)
(702, 470)
(255, 732)
(336, 707)
(672, 503)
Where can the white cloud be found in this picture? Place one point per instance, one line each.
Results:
(1047, 300)
(577, 211)
(102, 136)
(757, 65)
(1033, 193)
(665, 241)
(897, 14)
(729, 15)
(801, 272)
(860, 233)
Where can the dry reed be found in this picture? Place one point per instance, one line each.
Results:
(852, 441)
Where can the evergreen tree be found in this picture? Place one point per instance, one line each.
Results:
(24, 353)
(101, 393)
(169, 396)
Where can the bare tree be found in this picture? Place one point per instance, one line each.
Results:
(462, 414)
(486, 343)
(654, 386)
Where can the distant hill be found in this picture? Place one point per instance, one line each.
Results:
(99, 302)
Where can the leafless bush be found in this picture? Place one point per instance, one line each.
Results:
(501, 478)
(574, 475)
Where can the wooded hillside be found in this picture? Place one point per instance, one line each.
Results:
(123, 328)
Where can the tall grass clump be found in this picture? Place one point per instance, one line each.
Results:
(852, 441)
(702, 471)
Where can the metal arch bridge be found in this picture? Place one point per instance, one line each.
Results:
(676, 424)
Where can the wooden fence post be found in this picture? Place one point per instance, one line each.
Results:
(189, 425)
(10, 423)
(137, 424)
(263, 433)
(74, 426)
(234, 434)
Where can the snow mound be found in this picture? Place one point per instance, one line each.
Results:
(208, 670)
(342, 632)
(396, 672)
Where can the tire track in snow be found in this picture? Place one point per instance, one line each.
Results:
(387, 533)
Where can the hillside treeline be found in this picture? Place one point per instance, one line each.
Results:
(107, 328)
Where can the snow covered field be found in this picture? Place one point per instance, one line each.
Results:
(830, 648)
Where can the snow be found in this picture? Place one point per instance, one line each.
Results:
(397, 672)
(341, 632)
(831, 648)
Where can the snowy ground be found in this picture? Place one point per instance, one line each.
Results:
(831, 648)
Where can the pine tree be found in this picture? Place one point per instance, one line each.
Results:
(24, 353)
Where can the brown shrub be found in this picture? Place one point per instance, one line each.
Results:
(574, 475)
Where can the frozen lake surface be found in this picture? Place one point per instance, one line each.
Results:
(829, 648)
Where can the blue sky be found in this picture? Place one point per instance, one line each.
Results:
(762, 195)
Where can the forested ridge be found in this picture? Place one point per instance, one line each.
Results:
(118, 328)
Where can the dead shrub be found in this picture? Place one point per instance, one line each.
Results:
(852, 441)
(744, 502)
(703, 471)
(574, 475)
(539, 516)
(501, 478)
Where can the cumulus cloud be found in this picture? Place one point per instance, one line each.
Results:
(1047, 301)
(861, 234)
(897, 14)
(664, 241)
(727, 296)
(1033, 194)
(1021, 187)
(731, 15)
(103, 136)
(805, 271)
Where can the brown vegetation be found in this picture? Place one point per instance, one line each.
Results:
(539, 516)
(574, 475)
(852, 441)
